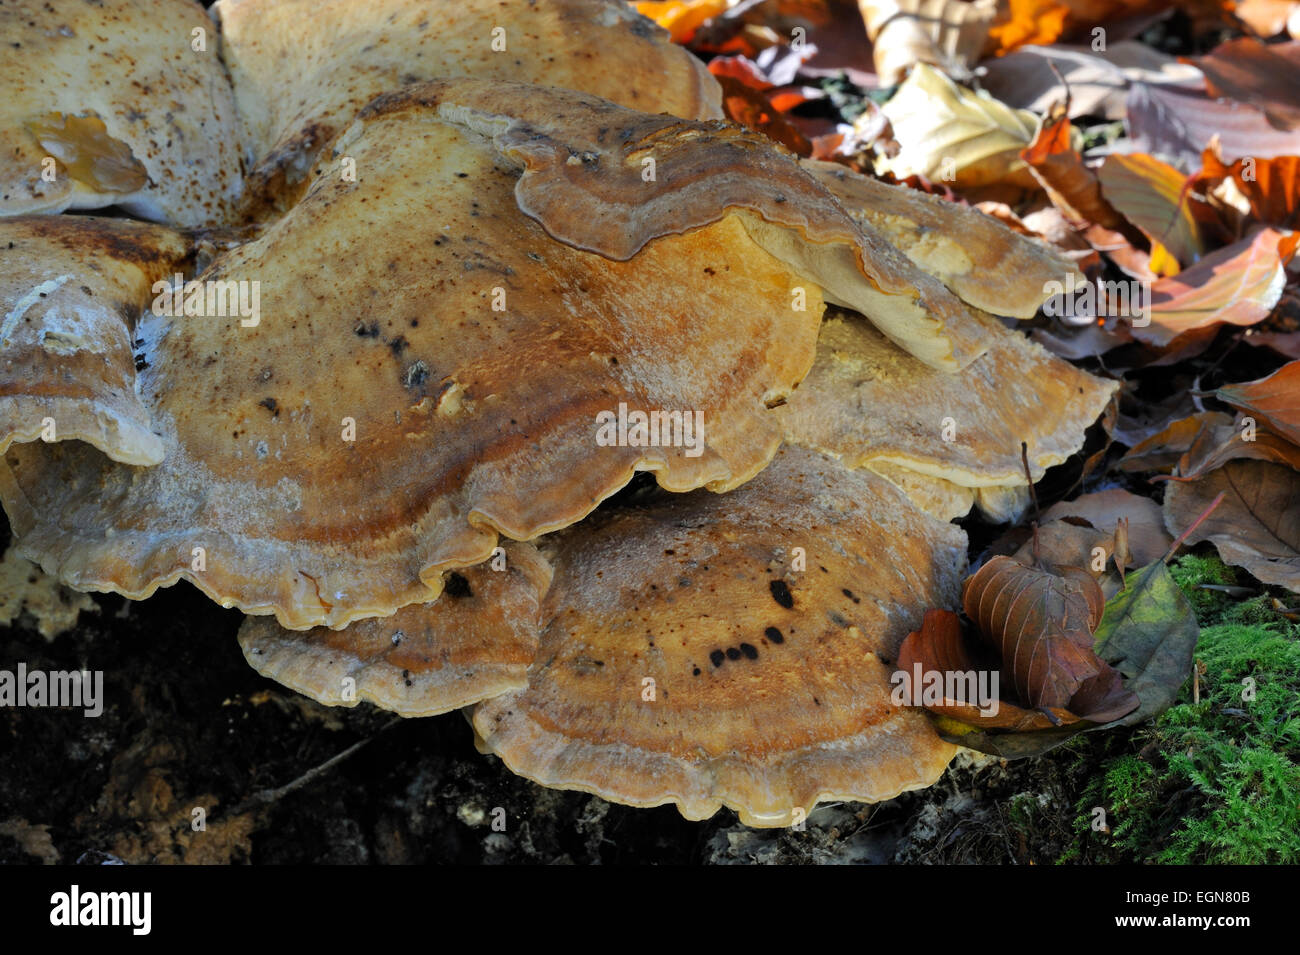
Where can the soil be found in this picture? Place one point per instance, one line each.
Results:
(187, 725)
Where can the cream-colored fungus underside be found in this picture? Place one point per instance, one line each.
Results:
(607, 179)
(986, 264)
(867, 402)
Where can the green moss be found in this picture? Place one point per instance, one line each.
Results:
(1214, 781)
(1193, 570)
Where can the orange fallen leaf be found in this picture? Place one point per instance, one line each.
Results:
(1021, 22)
(1275, 400)
(1072, 187)
(939, 658)
(747, 106)
(681, 18)
(1271, 187)
(1156, 198)
(1236, 285)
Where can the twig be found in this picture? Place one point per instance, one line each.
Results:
(1195, 524)
(1065, 109)
(1024, 460)
(265, 797)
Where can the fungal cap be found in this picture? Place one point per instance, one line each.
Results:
(611, 180)
(473, 642)
(79, 91)
(868, 402)
(69, 293)
(469, 422)
(303, 69)
(684, 659)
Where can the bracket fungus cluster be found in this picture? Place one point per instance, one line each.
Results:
(417, 276)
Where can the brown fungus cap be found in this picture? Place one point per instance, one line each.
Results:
(475, 641)
(735, 650)
(302, 69)
(868, 402)
(117, 94)
(985, 263)
(611, 180)
(427, 369)
(70, 288)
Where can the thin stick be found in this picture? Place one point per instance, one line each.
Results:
(1024, 460)
(1195, 524)
(265, 797)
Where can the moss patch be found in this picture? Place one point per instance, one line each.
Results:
(1214, 781)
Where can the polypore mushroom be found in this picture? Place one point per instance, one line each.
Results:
(735, 649)
(468, 421)
(611, 180)
(348, 419)
(302, 69)
(92, 118)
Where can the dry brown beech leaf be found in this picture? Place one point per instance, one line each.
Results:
(1252, 72)
(1042, 624)
(1164, 449)
(1256, 526)
(985, 263)
(685, 658)
(610, 180)
(867, 402)
(475, 641)
(1229, 440)
(67, 365)
(336, 458)
(79, 87)
(941, 647)
(1147, 539)
(302, 69)
(1098, 533)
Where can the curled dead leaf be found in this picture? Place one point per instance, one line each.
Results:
(951, 134)
(1041, 622)
(1072, 186)
(937, 659)
(948, 34)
